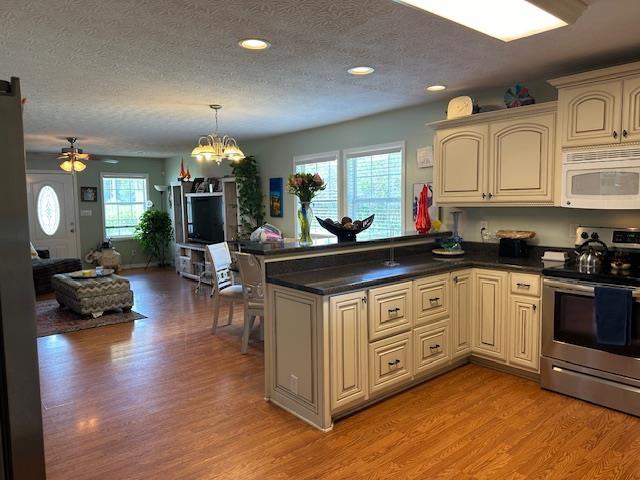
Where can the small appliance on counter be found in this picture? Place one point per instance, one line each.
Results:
(513, 243)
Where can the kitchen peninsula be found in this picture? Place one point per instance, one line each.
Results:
(343, 330)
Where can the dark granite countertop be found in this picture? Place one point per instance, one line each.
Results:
(329, 281)
(325, 244)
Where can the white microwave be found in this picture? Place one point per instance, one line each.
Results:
(607, 178)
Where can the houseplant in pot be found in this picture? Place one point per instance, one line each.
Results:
(305, 186)
(154, 233)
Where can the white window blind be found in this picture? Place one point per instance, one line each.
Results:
(124, 201)
(325, 204)
(374, 182)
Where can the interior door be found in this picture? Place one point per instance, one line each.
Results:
(53, 222)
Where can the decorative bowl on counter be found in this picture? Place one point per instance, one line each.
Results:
(347, 229)
(449, 247)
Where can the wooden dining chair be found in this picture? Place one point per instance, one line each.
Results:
(253, 295)
(221, 282)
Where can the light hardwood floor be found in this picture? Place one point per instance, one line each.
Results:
(163, 399)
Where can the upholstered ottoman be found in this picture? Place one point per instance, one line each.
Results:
(92, 295)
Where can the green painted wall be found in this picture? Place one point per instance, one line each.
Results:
(91, 227)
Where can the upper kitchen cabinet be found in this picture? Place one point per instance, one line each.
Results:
(505, 157)
(599, 107)
(462, 160)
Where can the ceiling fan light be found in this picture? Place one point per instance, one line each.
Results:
(67, 166)
(78, 166)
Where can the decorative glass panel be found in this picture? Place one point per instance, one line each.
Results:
(48, 210)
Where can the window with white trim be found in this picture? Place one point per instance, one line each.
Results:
(362, 182)
(124, 200)
(325, 204)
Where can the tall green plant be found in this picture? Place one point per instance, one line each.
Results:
(249, 195)
(154, 233)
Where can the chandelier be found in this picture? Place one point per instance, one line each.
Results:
(72, 157)
(214, 147)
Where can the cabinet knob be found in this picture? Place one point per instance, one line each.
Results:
(615, 134)
(455, 279)
(535, 307)
(625, 133)
(490, 195)
(484, 195)
(364, 299)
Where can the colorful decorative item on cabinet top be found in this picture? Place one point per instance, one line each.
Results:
(518, 96)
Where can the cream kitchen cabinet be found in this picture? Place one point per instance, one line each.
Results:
(390, 310)
(521, 157)
(461, 312)
(431, 299)
(505, 157)
(631, 110)
(489, 323)
(524, 341)
(348, 349)
(462, 164)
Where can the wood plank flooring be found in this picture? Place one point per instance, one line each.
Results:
(163, 399)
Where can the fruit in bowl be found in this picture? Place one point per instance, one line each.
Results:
(346, 229)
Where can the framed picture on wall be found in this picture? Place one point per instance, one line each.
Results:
(89, 194)
(276, 205)
(434, 211)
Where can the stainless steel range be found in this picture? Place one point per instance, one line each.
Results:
(573, 361)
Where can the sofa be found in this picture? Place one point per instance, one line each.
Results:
(45, 267)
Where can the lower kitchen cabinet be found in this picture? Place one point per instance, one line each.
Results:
(461, 312)
(430, 347)
(390, 362)
(489, 326)
(348, 349)
(524, 343)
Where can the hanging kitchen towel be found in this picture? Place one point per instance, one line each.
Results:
(614, 313)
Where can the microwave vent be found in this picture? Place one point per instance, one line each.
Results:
(603, 154)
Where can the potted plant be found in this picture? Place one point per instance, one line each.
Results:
(305, 186)
(154, 233)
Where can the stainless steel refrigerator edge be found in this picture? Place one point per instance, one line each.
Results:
(22, 441)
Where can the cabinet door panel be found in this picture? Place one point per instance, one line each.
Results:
(390, 310)
(631, 110)
(348, 337)
(461, 312)
(491, 304)
(522, 154)
(390, 362)
(591, 114)
(524, 320)
(461, 162)
(431, 348)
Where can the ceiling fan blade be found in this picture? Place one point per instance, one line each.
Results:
(82, 156)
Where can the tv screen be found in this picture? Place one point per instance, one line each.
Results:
(205, 220)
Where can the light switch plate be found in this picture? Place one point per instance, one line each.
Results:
(86, 213)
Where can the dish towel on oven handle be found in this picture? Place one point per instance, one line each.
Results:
(614, 314)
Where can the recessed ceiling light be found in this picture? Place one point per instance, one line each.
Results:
(436, 88)
(254, 44)
(504, 19)
(361, 70)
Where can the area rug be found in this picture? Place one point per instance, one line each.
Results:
(51, 319)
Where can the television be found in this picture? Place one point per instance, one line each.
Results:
(205, 218)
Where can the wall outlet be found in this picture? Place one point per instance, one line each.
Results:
(294, 384)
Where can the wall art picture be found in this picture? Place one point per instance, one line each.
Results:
(276, 206)
(424, 157)
(434, 213)
(89, 194)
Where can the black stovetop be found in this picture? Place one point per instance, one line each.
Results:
(607, 275)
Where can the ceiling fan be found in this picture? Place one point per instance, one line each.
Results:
(72, 157)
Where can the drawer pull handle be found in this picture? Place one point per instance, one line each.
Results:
(523, 285)
(434, 300)
(434, 347)
(394, 363)
(394, 310)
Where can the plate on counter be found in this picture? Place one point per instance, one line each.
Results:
(443, 252)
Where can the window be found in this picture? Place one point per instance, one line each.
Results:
(374, 185)
(124, 201)
(325, 204)
(364, 181)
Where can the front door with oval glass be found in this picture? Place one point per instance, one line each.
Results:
(53, 222)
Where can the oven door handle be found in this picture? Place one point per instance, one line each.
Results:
(571, 287)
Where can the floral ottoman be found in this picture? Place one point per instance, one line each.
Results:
(92, 295)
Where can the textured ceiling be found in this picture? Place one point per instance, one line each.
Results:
(134, 77)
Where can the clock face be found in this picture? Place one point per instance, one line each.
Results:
(460, 107)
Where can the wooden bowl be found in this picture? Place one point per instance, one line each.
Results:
(344, 234)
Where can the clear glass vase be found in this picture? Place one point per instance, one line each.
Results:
(304, 218)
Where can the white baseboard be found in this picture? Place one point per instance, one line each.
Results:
(138, 265)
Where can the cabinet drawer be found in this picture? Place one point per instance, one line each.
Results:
(389, 362)
(390, 310)
(430, 348)
(525, 284)
(431, 299)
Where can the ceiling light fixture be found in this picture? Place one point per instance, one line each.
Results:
(506, 20)
(359, 71)
(436, 88)
(214, 147)
(254, 44)
(72, 156)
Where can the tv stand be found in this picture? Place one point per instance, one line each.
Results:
(191, 260)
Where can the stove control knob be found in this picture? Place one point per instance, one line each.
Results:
(584, 235)
(594, 236)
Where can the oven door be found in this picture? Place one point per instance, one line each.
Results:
(569, 330)
(601, 185)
